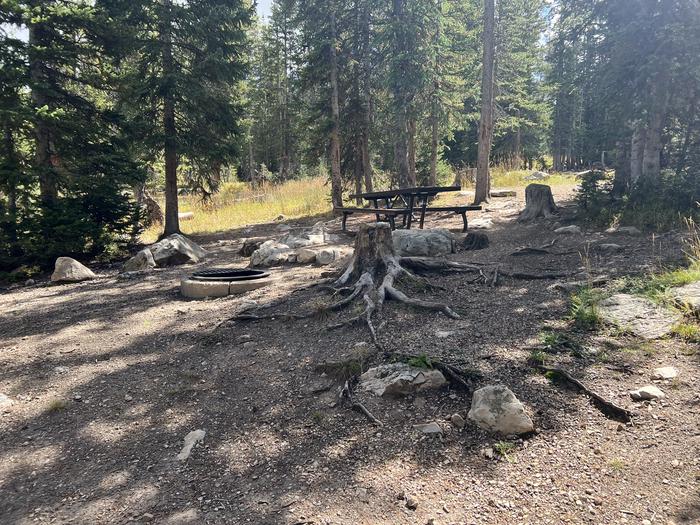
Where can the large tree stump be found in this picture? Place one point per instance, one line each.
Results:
(539, 202)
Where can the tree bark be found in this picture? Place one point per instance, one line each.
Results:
(336, 180)
(412, 152)
(401, 102)
(435, 102)
(172, 222)
(637, 152)
(483, 178)
(621, 182)
(689, 128)
(48, 183)
(539, 202)
(651, 159)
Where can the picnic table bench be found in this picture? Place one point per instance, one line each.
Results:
(406, 202)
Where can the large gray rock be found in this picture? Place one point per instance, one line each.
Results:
(496, 408)
(141, 261)
(569, 230)
(270, 253)
(69, 270)
(400, 379)
(688, 296)
(647, 393)
(425, 243)
(176, 249)
(638, 315)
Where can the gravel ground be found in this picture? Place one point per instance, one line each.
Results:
(105, 378)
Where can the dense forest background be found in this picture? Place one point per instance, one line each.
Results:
(103, 101)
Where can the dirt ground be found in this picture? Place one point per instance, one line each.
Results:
(106, 378)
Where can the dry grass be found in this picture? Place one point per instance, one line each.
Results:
(237, 205)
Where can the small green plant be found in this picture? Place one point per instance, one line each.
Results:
(505, 449)
(616, 464)
(538, 357)
(584, 309)
(688, 332)
(317, 417)
(56, 405)
(421, 361)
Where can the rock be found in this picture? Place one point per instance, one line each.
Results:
(569, 230)
(306, 256)
(488, 453)
(495, 408)
(270, 253)
(143, 260)
(283, 227)
(61, 369)
(481, 224)
(458, 421)
(295, 242)
(638, 315)
(250, 245)
(399, 379)
(327, 256)
(609, 248)
(425, 243)
(128, 398)
(537, 175)
(5, 401)
(503, 193)
(475, 241)
(431, 428)
(190, 439)
(688, 296)
(176, 249)
(411, 502)
(647, 393)
(280, 218)
(444, 334)
(666, 372)
(69, 270)
(624, 230)
(29, 282)
(185, 216)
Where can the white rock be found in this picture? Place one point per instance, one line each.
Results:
(444, 334)
(666, 372)
(569, 230)
(5, 401)
(143, 260)
(481, 224)
(327, 256)
(398, 379)
(649, 392)
(190, 439)
(176, 249)
(425, 243)
(496, 408)
(688, 296)
(69, 270)
(624, 230)
(306, 256)
(537, 175)
(638, 315)
(270, 253)
(61, 369)
(429, 428)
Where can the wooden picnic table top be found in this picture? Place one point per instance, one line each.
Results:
(420, 190)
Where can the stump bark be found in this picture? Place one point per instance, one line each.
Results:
(476, 241)
(539, 202)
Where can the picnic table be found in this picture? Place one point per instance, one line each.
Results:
(406, 202)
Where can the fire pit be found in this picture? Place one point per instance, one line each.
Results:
(220, 282)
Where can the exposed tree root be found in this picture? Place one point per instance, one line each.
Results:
(607, 407)
(347, 396)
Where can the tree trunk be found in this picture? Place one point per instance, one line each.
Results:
(172, 222)
(689, 128)
(637, 152)
(48, 184)
(401, 102)
(539, 202)
(435, 101)
(483, 178)
(621, 182)
(336, 179)
(13, 165)
(651, 159)
(366, 68)
(412, 152)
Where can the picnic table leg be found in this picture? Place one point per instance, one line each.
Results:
(345, 219)
(376, 205)
(410, 212)
(464, 219)
(422, 211)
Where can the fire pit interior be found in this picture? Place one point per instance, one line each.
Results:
(220, 282)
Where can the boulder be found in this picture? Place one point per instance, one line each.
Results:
(431, 428)
(69, 270)
(328, 255)
(666, 372)
(688, 296)
(624, 230)
(425, 243)
(647, 393)
(537, 175)
(297, 242)
(569, 230)
(481, 224)
(306, 256)
(638, 315)
(250, 245)
(176, 249)
(270, 253)
(495, 408)
(143, 260)
(400, 379)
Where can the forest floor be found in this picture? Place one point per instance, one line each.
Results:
(106, 377)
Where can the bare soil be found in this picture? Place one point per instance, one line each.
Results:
(106, 378)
